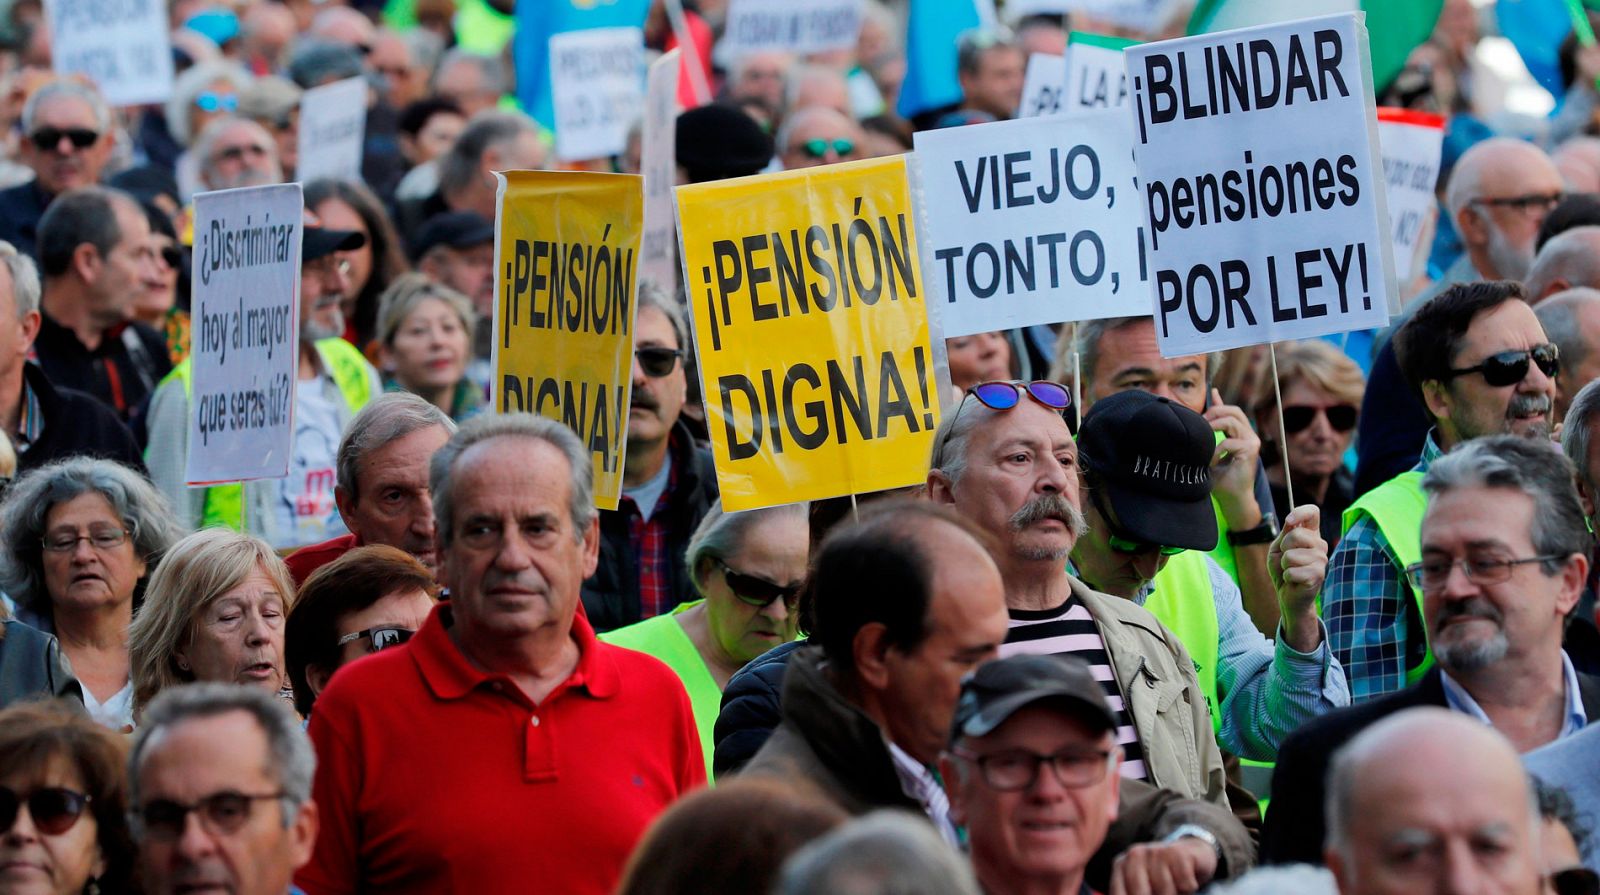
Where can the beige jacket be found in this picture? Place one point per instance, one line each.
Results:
(1163, 697)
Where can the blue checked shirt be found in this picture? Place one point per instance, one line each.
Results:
(1371, 615)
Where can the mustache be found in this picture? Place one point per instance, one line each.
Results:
(1049, 506)
(644, 400)
(1476, 607)
(1527, 405)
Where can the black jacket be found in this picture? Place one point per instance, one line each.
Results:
(611, 594)
(75, 424)
(21, 207)
(1295, 827)
(122, 372)
(752, 705)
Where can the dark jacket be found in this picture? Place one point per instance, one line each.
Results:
(21, 207)
(611, 594)
(75, 424)
(32, 666)
(1295, 826)
(752, 706)
(826, 740)
(122, 372)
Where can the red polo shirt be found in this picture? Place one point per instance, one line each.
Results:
(312, 557)
(436, 776)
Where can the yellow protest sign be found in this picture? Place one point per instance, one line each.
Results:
(816, 365)
(567, 245)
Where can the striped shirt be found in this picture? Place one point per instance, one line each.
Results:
(1070, 629)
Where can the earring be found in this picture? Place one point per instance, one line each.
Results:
(92, 887)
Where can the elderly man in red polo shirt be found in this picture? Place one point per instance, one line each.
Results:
(503, 748)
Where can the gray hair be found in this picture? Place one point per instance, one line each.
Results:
(70, 90)
(799, 76)
(24, 278)
(654, 296)
(973, 43)
(1090, 332)
(883, 853)
(490, 68)
(412, 289)
(384, 419)
(950, 440)
(190, 84)
(580, 467)
(294, 762)
(458, 168)
(1558, 316)
(1536, 468)
(721, 535)
(27, 506)
(205, 145)
(86, 215)
(1582, 414)
(1569, 256)
(1302, 879)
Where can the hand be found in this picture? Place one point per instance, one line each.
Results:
(1233, 466)
(1298, 562)
(1164, 868)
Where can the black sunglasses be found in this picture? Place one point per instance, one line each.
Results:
(657, 361)
(48, 138)
(757, 592)
(1575, 881)
(54, 809)
(172, 257)
(382, 638)
(1296, 417)
(1509, 367)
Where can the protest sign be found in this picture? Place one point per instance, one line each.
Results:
(245, 308)
(1146, 16)
(333, 126)
(1410, 142)
(567, 250)
(1095, 76)
(658, 250)
(1258, 158)
(1030, 221)
(120, 45)
(1041, 86)
(598, 82)
(814, 26)
(533, 43)
(818, 363)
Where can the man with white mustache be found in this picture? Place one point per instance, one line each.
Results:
(1481, 365)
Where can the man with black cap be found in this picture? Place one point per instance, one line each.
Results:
(1033, 831)
(718, 142)
(456, 249)
(335, 382)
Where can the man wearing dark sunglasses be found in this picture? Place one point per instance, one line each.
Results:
(66, 140)
(818, 135)
(1479, 361)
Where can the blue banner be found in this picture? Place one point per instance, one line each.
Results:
(537, 20)
(931, 34)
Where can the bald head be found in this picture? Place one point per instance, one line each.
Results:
(1571, 320)
(1427, 799)
(1498, 195)
(818, 85)
(1570, 259)
(1578, 160)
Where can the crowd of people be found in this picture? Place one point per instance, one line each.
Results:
(1312, 617)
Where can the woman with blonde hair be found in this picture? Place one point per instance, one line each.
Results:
(214, 611)
(425, 343)
(1322, 392)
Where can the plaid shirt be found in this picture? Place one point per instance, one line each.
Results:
(1369, 608)
(650, 550)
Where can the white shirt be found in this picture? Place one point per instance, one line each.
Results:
(303, 509)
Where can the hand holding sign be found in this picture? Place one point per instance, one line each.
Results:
(1298, 561)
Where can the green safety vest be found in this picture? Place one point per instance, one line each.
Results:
(224, 504)
(1396, 507)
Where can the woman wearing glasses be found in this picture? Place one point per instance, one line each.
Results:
(747, 568)
(62, 824)
(1321, 400)
(79, 537)
(425, 342)
(214, 611)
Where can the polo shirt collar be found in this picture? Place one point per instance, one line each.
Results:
(451, 675)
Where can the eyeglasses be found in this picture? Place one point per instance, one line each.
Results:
(99, 539)
(1014, 769)
(1431, 574)
(757, 592)
(326, 266)
(382, 638)
(171, 256)
(237, 153)
(48, 138)
(1575, 881)
(1509, 367)
(819, 147)
(1297, 417)
(54, 809)
(1000, 394)
(657, 361)
(1118, 540)
(211, 101)
(1529, 202)
(220, 813)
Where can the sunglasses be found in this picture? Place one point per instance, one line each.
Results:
(172, 257)
(657, 361)
(757, 592)
(1001, 394)
(1509, 367)
(1540, 202)
(1575, 881)
(54, 809)
(224, 812)
(211, 101)
(382, 638)
(819, 147)
(1296, 417)
(48, 138)
(1118, 540)
(237, 153)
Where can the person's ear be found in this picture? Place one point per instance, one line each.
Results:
(870, 651)
(1436, 397)
(1473, 227)
(317, 678)
(940, 488)
(86, 262)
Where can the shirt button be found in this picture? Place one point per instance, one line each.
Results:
(535, 720)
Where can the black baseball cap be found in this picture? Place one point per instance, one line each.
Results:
(718, 142)
(455, 229)
(1000, 689)
(1150, 458)
(319, 242)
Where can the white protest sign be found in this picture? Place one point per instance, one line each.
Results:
(333, 127)
(1095, 76)
(658, 247)
(597, 84)
(1030, 221)
(1411, 142)
(1041, 86)
(1258, 158)
(245, 334)
(120, 45)
(1144, 16)
(809, 26)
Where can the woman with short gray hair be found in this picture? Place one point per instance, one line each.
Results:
(80, 537)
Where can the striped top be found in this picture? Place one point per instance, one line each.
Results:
(1069, 628)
